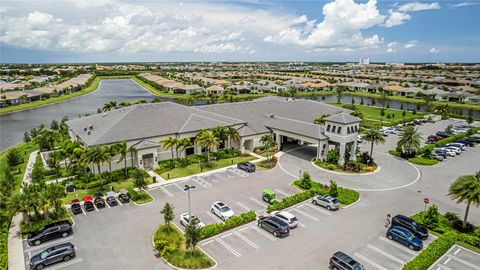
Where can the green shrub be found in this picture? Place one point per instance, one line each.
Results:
(432, 253)
(394, 153)
(423, 161)
(216, 228)
(432, 217)
(306, 181)
(333, 156)
(134, 195)
(333, 189)
(451, 216)
(347, 196)
(292, 200)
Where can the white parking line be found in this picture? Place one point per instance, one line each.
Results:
(368, 261)
(397, 245)
(229, 248)
(180, 188)
(385, 254)
(305, 214)
(442, 267)
(94, 206)
(243, 206)
(263, 233)
(456, 252)
(226, 235)
(447, 260)
(283, 193)
(314, 207)
(206, 243)
(119, 202)
(302, 225)
(108, 205)
(199, 180)
(464, 262)
(166, 191)
(255, 246)
(258, 201)
(212, 215)
(66, 264)
(49, 244)
(83, 211)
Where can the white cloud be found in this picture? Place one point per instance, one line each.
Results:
(341, 27)
(434, 50)
(418, 6)
(465, 4)
(410, 44)
(392, 47)
(396, 18)
(400, 15)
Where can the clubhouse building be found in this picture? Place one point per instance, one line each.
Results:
(143, 126)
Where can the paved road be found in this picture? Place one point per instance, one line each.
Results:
(120, 237)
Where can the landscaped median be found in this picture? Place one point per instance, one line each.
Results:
(447, 227)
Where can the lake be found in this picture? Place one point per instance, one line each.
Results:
(13, 125)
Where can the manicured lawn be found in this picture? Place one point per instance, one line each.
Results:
(179, 256)
(268, 154)
(80, 193)
(144, 197)
(24, 149)
(194, 168)
(373, 113)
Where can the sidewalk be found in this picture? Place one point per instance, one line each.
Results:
(29, 168)
(16, 259)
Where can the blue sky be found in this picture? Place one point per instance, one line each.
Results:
(333, 30)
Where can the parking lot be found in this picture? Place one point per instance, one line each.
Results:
(385, 254)
(249, 238)
(458, 258)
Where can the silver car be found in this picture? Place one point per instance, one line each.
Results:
(326, 201)
(290, 219)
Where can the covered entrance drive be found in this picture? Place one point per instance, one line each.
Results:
(146, 154)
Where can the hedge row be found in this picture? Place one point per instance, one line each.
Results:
(4, 226)
(428, 148)
(295, 199)
(432, 253)
(423, 161)
(217, 228)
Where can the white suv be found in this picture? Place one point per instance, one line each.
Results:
(290, 219)
(221, 210)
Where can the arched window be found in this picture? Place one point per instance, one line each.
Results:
(333, 129)
(328, 128)
(339, 130)
(348, 130)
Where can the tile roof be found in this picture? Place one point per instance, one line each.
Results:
(342, 118)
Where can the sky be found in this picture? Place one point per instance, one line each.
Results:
(83, 31)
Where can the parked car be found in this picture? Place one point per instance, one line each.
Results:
(449, 152)
(411, 225)
(221, 210)
(290, 219)
(342, 261)
(111, 198)
(185, 219)
(123, 196)
(246, 166)
(473, 139)
(99, 201)
(76, 207)
(456, 144)
(51, 231)
(274, 225)
(466, 141)
(443, 134)
(454, 149)
(404, 237)
(88, 203)
(438, 157)
(326, 201)
(440, 152)
(63, 252)
(433, 138)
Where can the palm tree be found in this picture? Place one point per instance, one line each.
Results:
(21, 203)
(169, 143)
(110, 151)
(54, 161)
(268, 142)
(466, 189)
(122, 149)
(184, 143)
(132, 150)
(232, 134)
(409, 141)
(220, 134)
(319, 120)
(97, 155)
(54, 195)
(339, 90)
(374, 136)
(207, 139)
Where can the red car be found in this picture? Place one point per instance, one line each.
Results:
(88, 203)
(76, 207)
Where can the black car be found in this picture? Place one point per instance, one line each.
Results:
(474, 139)
(340, 260)
(63, 252)
(123, 198)
(444, 134)
(246, 166)
(411, 225)
(99, 202)
(76, 207)
(51, 231)
(274, 225)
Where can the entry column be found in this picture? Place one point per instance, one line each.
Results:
(353, 150)
(341, 161)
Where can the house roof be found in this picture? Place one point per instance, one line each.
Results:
(298, 127)
(145, 144)
(145, 121)
(343, 118)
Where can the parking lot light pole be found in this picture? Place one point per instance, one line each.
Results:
(187, 189)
